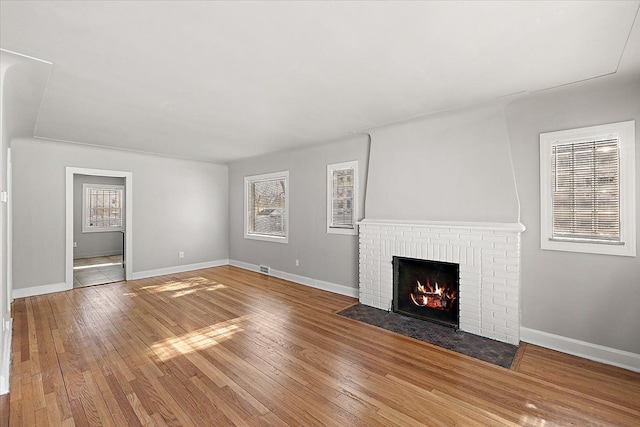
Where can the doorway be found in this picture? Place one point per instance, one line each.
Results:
(98, 229)
(98, 246)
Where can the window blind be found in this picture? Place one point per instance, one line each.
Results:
(267, 208)
(586, 190)
(342, 198)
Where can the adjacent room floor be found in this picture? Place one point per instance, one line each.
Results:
(97, 270)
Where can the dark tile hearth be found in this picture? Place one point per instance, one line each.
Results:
(486, 349)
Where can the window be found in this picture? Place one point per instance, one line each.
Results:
(587, 179)
(266, 206)
(342, 198)
(102, 208)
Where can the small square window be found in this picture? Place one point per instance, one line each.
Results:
(102, 208)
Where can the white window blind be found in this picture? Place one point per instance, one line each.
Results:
(266, 204)
(342, 199)
(586, 190)
(103, 207)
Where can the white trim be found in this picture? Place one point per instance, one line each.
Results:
(598, 353)
(495, 226)
(330, 169)
(128, 245)
(5, 357)
(41, 290)
(9, 276)
(625, 133)
(267, 176)
(302, 280)
(179, 269)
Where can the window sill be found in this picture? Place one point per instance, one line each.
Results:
(605, 248)
(264, 238)
(343, 231)
(104, 230)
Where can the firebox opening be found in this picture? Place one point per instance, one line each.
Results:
(427, 290)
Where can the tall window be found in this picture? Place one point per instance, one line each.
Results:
(266, 206)
(342, 189)
(587, 189)
(103, 208)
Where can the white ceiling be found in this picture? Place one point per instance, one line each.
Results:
(220, 81)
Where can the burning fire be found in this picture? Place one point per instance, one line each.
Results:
(433, 297)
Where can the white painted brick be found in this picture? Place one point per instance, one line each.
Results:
(490, 267)
(500, 312)
(482, 244)
(495, 294)
(508, 274)
(507, 261)
(506, 246)
(494, 252)
(489, 271)
(440, 242)
(493, 281)
(469, 324)
(448, 236)
(499, 325)
(504, 330)
(505, 302)
(490, 333)
(494, 238)
(469, 314)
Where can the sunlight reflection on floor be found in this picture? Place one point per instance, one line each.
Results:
(199, 339)
(182, 288)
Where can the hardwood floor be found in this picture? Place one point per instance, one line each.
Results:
(224, 346)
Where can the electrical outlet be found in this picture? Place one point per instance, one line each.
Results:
(180, 254)
(75, 244)
(297, 263)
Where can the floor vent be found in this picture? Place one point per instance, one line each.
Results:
(264, 269)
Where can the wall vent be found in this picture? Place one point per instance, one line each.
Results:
(264, 269)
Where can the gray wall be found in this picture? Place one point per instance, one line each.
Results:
(93, 244)
(178, 205)
(329, 257)
(445, 167)
(593, 298)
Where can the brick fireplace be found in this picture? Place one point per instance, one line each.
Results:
(488, 255)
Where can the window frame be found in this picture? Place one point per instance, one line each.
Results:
(624, 132)
(86, 228)
(264, 177)
(331, 168)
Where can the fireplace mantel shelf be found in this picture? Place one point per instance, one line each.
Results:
(495, 226)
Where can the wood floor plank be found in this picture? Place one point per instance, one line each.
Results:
(225, 346)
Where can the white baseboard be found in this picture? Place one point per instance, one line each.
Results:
(314, 283)
(598, 353)
(178, 269)
(5, 357)
(40, 290)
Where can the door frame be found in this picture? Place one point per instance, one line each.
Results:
(128, 225)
